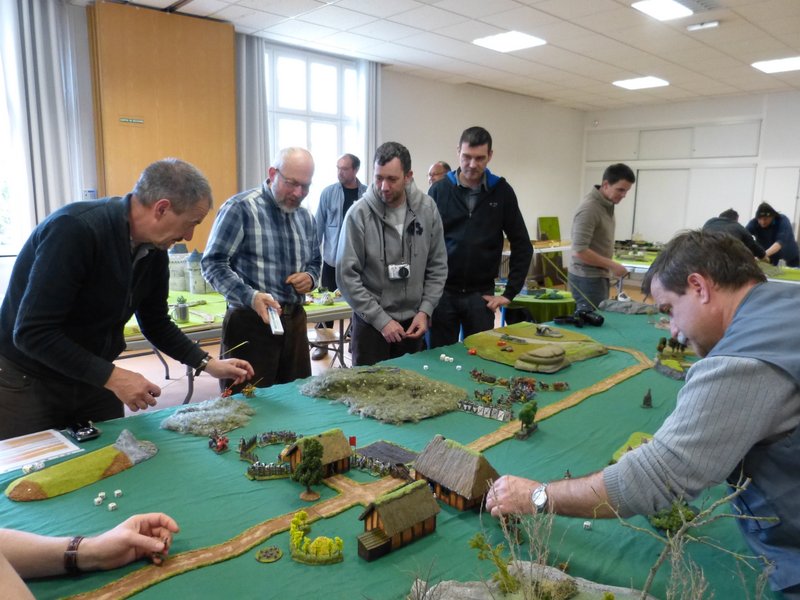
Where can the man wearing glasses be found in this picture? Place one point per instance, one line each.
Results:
(263, 253)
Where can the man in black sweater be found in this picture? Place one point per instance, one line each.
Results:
(80, 276)
(478, 209)
(728, 222)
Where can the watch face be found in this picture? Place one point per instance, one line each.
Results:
(539, 497)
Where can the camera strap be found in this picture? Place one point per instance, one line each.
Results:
(395, 219)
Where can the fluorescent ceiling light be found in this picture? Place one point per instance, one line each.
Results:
(641, 83)
(663, 10)
(778, 65)
(705, 25)
(509, 41)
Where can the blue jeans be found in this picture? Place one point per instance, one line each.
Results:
(588, 292)
(456, 310)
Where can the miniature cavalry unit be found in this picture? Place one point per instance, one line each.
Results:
(520, 390)
(218, 442)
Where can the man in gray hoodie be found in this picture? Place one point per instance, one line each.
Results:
(391, 263)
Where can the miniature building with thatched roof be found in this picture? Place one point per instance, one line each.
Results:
(460, 476)
(397, 519)
(335, 452)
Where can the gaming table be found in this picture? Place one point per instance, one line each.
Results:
(213, 501)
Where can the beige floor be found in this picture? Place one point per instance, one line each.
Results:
(173, 390)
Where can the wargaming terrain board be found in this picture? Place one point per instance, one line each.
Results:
(223, 514)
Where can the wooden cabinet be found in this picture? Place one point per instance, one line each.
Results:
(163, 86)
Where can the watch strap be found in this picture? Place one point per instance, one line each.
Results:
(71, 556)
(203, 364)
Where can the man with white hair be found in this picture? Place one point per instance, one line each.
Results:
(263, 252)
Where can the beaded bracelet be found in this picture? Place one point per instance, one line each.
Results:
(71, 555)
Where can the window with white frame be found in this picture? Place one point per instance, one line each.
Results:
(317, 102)
(16, 214)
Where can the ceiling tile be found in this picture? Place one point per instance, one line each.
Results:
(338, 18)
(385, 30)
(576, 8)
(589, 43)
(523, 19)
(445, 46)
(476, 8)
(285, 8)
(469, 30)
(300, 29)
(248, 17)
(202, 8)
(379, 9)
(429, 16)
(771, 9)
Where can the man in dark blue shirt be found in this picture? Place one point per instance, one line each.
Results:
(80, 276)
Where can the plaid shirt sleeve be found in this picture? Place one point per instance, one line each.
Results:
(226, 237)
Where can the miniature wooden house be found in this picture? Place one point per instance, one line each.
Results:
(335, 452)
(460, 476)
(397, 519)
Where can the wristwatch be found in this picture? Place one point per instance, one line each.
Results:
(539, 498)
(202, 366)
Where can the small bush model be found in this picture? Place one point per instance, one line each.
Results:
(671, 519)
(320, 551)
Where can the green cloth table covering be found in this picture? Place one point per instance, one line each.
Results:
(213, 501)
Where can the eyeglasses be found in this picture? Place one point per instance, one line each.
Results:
(293, 183)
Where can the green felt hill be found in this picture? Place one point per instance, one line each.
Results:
(524, 337)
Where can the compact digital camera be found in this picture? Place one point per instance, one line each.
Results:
(401, 271)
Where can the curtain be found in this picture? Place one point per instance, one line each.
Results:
(252, 129)
(371, 72)
(45, 87)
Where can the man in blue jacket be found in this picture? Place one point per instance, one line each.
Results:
(773, 232)
(478, 208)
(83, 272)
(334, 203)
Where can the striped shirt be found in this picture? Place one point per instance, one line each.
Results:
(727, 406)
(254, 246)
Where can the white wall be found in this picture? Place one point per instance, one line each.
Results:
(538, 148)
(774, 167)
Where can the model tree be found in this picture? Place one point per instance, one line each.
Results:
(309, 469)
(527, 416)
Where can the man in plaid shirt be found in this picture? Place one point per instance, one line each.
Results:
(263, 252)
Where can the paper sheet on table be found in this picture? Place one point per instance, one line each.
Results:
(34, 447)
